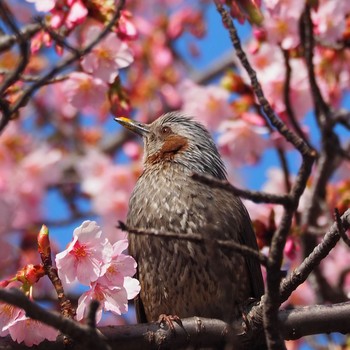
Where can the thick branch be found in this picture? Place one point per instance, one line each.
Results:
(199, 332)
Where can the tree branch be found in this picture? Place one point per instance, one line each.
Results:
(270, 114)
(198, 332)
(76, 331)
(255, 196)
(300, 274)
(198, 238)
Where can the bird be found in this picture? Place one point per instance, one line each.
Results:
(180, 277)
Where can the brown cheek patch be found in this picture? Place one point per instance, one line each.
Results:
(172, 145)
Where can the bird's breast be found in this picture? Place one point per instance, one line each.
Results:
(166, 200)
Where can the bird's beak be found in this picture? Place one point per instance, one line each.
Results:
(137, 127)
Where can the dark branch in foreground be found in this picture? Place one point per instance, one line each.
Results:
(194, 331)
(76, 331)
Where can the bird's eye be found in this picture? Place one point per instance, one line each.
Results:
(166, 130)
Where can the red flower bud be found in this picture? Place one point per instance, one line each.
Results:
(30, 274)
(44, 242)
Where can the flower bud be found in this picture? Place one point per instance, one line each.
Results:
(44, 242)
(30, 274)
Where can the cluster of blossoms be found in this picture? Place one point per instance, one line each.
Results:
(97, 81)
(89, 259)
(93, 261)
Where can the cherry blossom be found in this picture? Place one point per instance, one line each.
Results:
(43, 6)
(8, 313)
(268, 62)
(84, 91)
(120, 266)
(86, 257)
(77, 13)
(114, 300)
(282, 22)
(29, 331)
(209, 104)
(329, 19)
(100, 176)
(107, 57)
(126, 27)
(238, 135)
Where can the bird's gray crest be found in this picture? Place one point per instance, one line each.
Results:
(200, 155)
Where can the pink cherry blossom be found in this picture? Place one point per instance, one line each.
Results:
(43, 5)
(31, 332)
(270, 69)
(282, 22)
(87, 255)
(114, 300)
(77, 13)
(329, 19)
(236, 136)
(84, 91)
(132, 286)
(133, 150)
(120, 266)
(107, 57)
(109, 186)
(126, 28)
(8, 313)
(209, 104)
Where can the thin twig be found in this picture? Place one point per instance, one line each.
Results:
(286, 95)
(198, 238)
(67, 309)
(34, 78)
(255, 196)
(300, 274)
(23, 46)
(321, 107)
(7, 41)
(285, 168)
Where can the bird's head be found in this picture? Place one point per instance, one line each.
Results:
(177, 138)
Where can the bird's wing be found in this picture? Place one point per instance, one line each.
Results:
(139, 308)
(140, 311)
(248, 238)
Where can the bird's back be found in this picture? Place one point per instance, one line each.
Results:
(185, 278)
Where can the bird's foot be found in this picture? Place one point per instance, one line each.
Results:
(245, 310)
(169, 320)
